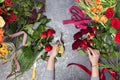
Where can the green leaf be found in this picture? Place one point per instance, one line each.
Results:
(44, 20)
(29, 29)
(38, 31)
(112, 30)
(1, 1)
(26, 58)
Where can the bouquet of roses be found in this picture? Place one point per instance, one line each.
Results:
(99, 24)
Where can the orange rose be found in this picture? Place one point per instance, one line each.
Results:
(103, 19)
(99, 8)
(96, 18)
(93, 9)
(98, 2)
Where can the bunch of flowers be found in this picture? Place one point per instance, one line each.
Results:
(102, 31)
(24, 17)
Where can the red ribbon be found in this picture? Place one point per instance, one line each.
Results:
(79, 19)
(102, 76)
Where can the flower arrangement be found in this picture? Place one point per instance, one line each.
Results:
(24, 17)
(99, 25)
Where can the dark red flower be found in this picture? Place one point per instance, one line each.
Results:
(3, 11)
(48, 48)
(50, 32)
(83, 46)
(89, 42)
(77, 35)
(109, 13)
(84, 31)
(44, 35)
(76, 44)
(115, 23)
(117, 37)
(94, 29)
(84, 41)
(11, 18)
(8, 3)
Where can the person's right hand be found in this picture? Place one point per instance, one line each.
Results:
(54, 51)
(93, 56)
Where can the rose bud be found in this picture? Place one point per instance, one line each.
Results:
(50, 32)
(48, 48)
(43, 35)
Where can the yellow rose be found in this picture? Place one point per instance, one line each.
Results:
(2, 22)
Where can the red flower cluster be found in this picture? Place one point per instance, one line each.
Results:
(48, 48)
(84, 43)
(109, 13)
(47, 33)
(6, 13)
(115, 23)
(10, 18)
(8, 3)
(3, 10)
(117, 37)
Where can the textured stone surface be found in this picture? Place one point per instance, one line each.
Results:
(57, 11)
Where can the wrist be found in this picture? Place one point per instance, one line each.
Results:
(52, 57)
(95, 66)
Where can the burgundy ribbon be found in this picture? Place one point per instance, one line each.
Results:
(102, 76)
(79, 19)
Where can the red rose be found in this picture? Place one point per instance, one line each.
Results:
(11, 18)
(44, 35)
(94, 29)
(50, 32)
(117, 37)
(84, 41)
(77, 35)
(8, 3)
(115, 23)
(84, 31)
(3, 11)
(48, 48)
(76, 44)
(83, 46)
(89, 42)
(109, 13)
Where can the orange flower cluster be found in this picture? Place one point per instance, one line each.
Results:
(1, 35)
(97, 9)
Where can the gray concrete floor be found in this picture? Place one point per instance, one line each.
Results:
(57, 11)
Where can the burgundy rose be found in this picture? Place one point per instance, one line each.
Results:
(48, 48)
(9, 19)
(115, 23)
(76, 44)
(77, 35)
(84, 31)
(83, 46)
(89, 42)
(50, 32)
(8, 3)
(44, 35)
(84, 41)
(117, 37)
(94, 29)
(109, 13)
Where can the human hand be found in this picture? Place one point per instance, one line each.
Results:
(54, 51)
(93, 56)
